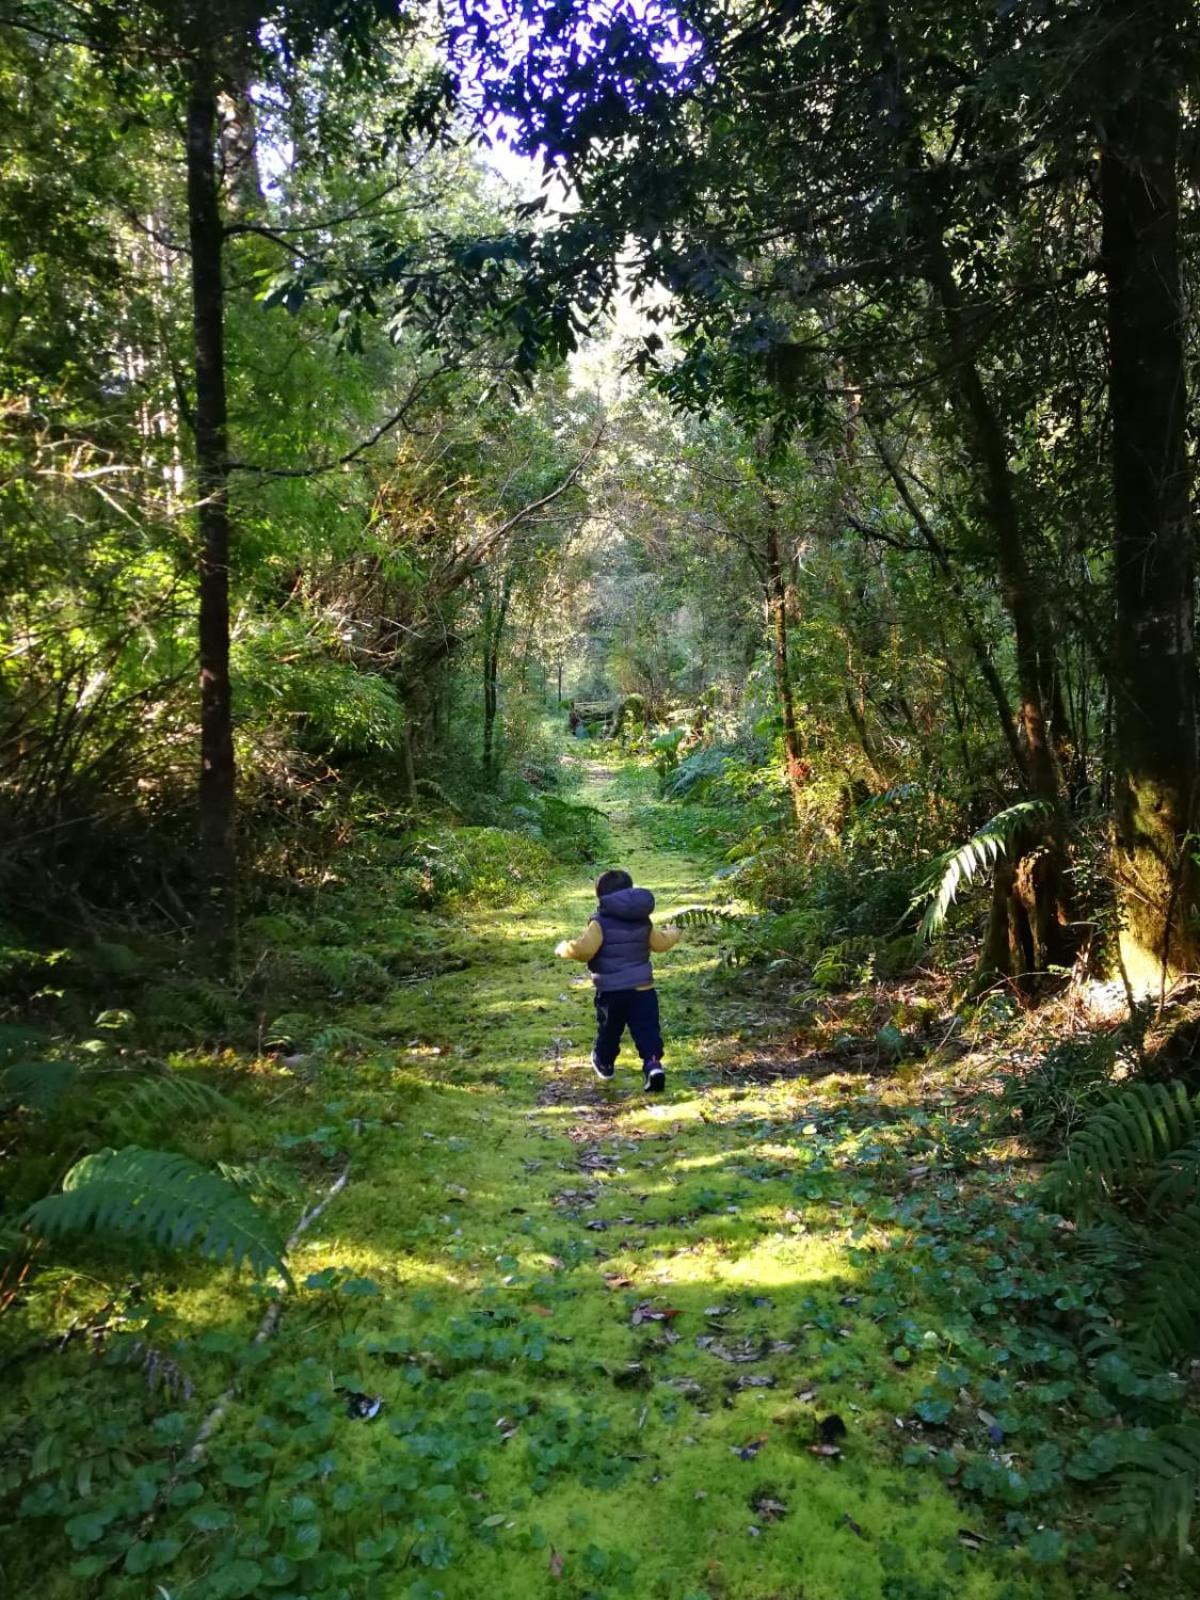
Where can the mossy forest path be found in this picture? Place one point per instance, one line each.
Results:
(623, 1346)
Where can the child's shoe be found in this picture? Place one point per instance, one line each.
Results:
(600, 1069)
(654, 1078)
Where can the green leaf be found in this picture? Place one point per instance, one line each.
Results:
(149, 1554)
(237, 1581)
(162, 1198)
(1047, 1547)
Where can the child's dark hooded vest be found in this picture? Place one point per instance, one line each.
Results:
(623, 960)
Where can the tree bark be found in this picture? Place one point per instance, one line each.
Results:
(493, 631)
(1154, 558)
(217, 850)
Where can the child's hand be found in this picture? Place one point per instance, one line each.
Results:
(562, 948)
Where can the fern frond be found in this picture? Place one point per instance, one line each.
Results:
(1167, 1324)
(436, 792)
(960, 867)
(1178, 1179)
(1141, 1126)
(37, 1085)
(1159, 1485)
(336, 1037)
(165, 1100)
(163, 1198)
(258, 1177)
(707, 917)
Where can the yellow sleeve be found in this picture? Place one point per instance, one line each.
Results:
(665, 938)
(583, 948)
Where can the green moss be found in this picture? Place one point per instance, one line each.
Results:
(560, 1291)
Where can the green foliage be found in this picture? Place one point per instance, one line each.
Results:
(155, 1197)
(38, 1085)
(1123, 1143)
(1166, 1322)
(571, 831)
(695, 775)
(472, 865)
(708, 917)
(1049, 1100)
(1158, 1487)
(159, 1102)
(1002, 835)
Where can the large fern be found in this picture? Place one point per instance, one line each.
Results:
(162, 1198)
(163, 1100)
(1159, 1485)
(37, 1085)
(1166, 1322)
(961, 866)
(137, 1098)
(1143, 1127)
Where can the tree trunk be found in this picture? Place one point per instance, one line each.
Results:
(1155, 689)
(493, 631)
(777, 617)
(998, 505)
(217, 852)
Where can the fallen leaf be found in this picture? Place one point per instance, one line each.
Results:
(824, 1450)
(556, 1563)
(617, 1280)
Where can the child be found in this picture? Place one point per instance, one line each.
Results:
(616, 945)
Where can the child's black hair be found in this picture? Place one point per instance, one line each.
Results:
(609, 882)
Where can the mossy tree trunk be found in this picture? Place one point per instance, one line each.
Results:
(1154, 560)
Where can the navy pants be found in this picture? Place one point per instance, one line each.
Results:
(635, 1009)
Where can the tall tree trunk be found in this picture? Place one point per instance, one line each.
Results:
(493, 632)
(217, 851)
(776, 587)
(1034, 657)
(1154, 560)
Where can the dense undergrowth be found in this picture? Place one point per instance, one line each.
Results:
(813, 1322)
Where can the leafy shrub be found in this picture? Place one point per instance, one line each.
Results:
(484, 865)
(695, 775)
(331, 972)
(572, 832)
(1049, 1102)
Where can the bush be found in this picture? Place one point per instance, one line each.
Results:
(572, 832)
(695, 776)
(1055, 1097)
(481, 865)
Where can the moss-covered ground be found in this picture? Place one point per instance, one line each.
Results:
(779, 1333)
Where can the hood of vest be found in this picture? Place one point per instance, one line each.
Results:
(627, 905)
